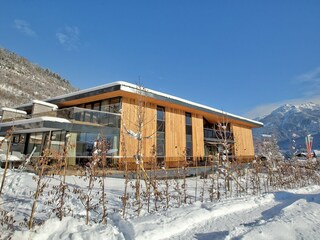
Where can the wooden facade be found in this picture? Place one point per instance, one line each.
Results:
(175, 136)
(135, 106)
(129, 121)
(175, 133)
(243, 142)
(197, 136)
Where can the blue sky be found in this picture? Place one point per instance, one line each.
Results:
(244, 57)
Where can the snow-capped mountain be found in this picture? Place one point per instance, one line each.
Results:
(22, 81)
(291, 123)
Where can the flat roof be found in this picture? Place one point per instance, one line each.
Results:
(133, 88)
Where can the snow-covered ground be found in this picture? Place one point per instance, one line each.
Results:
(290, 214)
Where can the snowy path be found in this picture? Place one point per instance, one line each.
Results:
(288, 215)
(293, 214)
(282, 215)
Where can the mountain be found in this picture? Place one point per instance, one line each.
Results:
(22, 81)
(290, 124)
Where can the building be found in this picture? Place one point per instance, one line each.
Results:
(172, 129)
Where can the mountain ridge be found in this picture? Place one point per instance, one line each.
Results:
(290, 124)
(22, 81)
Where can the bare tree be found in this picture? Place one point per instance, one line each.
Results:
(137, 133)
(100, 152)
(40, 168)
(7, 139)
(61, 169)
(125, 195)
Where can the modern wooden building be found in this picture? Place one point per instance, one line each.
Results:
(171, 129)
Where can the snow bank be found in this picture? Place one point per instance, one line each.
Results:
(290, 214)
(175, 221)
(70, 228)
(11, 158)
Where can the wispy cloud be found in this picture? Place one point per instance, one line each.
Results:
(308, 82)
(265, 109)
(311, 76)
(24, 27)
(69, 37)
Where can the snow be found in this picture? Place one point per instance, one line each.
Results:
(286, 214)
(53, 106)
(35, 120)
(128, 87)
(70, 228)
(11, 158)
(13, 110)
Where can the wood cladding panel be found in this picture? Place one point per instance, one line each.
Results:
(175, 133)
(243, 139)
(197, 135)
(129, 119)
(209, 116)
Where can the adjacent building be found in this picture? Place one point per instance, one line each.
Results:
(171, 129)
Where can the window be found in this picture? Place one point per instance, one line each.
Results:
(35, 141)
(18, 143)
(189, 135)
(57, 142)
(85, 143)
(112, 105)
(161, 135)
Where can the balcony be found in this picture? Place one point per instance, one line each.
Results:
(76, 114)
(212, 134)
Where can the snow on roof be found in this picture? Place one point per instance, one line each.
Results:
(191, 103)
(129, 87)
(86, 90)
(13, 110)
(34, 120)
(53, 106)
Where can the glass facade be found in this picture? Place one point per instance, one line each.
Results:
(161, 135)
(112, 105)
(85, 143)
(57, 143)
(90, 121)
(93, 116)
(18, 143)
(189, 151)
(103, 112)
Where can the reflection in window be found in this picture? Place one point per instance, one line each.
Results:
(18, 143)
(188, 135)
(57, 142)
(85, 143)
(35, 140)
(161, 134)
(112, 105)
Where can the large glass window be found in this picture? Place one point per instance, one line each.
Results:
(57, 142)
(112, 105)
(161, 133)
(85, 143)
(18, 143)
(189, 135)
(35, 141)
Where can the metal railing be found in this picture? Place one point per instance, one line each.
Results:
(216, 134)
(79, 114)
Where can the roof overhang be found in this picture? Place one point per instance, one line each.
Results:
(124, 87)
(40, 124)
(45, 124)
